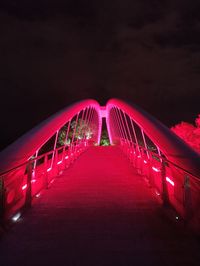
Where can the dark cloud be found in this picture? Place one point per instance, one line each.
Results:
(55, 52)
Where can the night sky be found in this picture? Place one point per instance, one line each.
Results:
(56, 52)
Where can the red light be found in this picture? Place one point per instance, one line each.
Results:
(145, 161)
(49, 169)
(155, 169)
(59, 162)
(24, 187)
(170, 181)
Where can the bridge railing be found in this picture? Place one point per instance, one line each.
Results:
(43, 154)
(22, 184)
(174, 184)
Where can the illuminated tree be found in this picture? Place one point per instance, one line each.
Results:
(189, 133)
(83, 130)
(104, 138)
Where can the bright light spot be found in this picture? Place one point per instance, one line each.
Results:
(24, 187)
(157, 193)
(16, 217)
(88, 135)
(49, 169)
(177, 217)
(59, 162)
(52, 181)
(170, 181)
(33, 180)
(67, 157)
(145, 161)
(155, 169)
(38, 195)
(139, 156)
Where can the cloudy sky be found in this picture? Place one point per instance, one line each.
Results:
(55, 52)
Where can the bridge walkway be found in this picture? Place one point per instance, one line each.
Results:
(98, 212)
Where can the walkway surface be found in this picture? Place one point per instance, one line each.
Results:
(99, 212)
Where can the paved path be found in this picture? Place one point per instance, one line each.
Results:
(99, 212)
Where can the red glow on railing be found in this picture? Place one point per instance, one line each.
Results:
(33, 180)
(145, 161)
(170, 181)
(49, 169)
(66, 157)
(59, 162)
(155, 169)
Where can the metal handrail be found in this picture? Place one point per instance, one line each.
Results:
(34, 159)
(166, 160)
(62, 147)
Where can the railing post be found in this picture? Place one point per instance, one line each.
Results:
(54, 150)
(136, 140)
(45, 171)
(74, 136)
(2, 200)
(28, 196)
(187, 198)
(165, 196)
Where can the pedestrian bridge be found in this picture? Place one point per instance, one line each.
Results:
(129, 203)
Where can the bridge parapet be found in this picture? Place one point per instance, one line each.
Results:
(170, 166)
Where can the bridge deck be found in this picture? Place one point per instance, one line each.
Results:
(99, 212)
